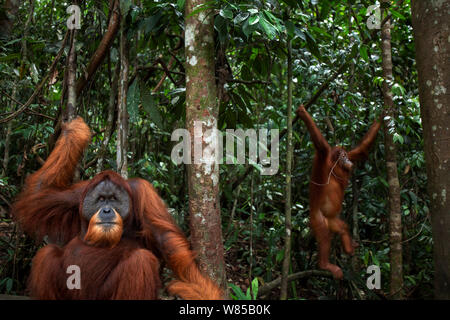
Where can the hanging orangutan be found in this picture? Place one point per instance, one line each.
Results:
(115, 231)
(331, 171)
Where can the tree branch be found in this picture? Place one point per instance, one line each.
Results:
(99, 55)
(41, 84)
(315, 97)
(295, 276)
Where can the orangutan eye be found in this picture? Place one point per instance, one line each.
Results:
(101, 199)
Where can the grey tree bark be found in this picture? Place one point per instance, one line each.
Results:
(395, 213)
(288, 205)
(122, 113)
(202, 107)
(431, 23)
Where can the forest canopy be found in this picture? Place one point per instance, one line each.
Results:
(137, 71)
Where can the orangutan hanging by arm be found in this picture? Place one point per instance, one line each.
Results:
(331, 171)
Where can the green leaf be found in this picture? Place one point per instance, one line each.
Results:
(413, 197)
(398, 138)
(238, 292)
(354, 50)
(133, 102)
(321, 31)
(397, 15)
(220, 24)
(177, 91)
(202, 7)
(12, 42)
(299, 33)
(384, 182)
(366, 258)
(312, 46)
(280, 255)
(290, 28)
(363, 53)
(226, 13)
(273, 20)
(180, 4)
(375, 260)
(398, 89)
(326, 7)
(268, 28)
(150, 107)
(246, 29)
(9, 57)
(34, 73)
(247, 294)
(125, 7)
(150, 22)
(242, 16)
(255, 288)
(253, 20)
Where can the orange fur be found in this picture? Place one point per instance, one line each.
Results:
(121, 264)
(99, 237)
(160, 230)
(326, 191)
(123, 272)
(58, 170)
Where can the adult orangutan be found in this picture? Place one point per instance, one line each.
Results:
(114, 230)
(331, 170)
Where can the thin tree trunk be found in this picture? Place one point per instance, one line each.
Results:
(110, 118)
(233, 210)
(432, 36)
(355, 228)
(268, 286)
(202, 107)
(122, 117)
(252, 205)
(237, 181)
(26, 31)
(8, 134)
(103, 47)
(395, 214)
(24, 55)
(288, 206)
(52, 8)
(71, 108)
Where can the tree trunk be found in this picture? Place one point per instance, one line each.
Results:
(8, 135)
(202, 107)
(122, 113)
(103, 47)
(70, 111)
(355, 226)
(395, 214)
(288, 205)
(110, 119)
(431, 22)
(24, 58)
(7, 16)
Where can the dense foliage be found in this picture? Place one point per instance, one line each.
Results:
(251, 70)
